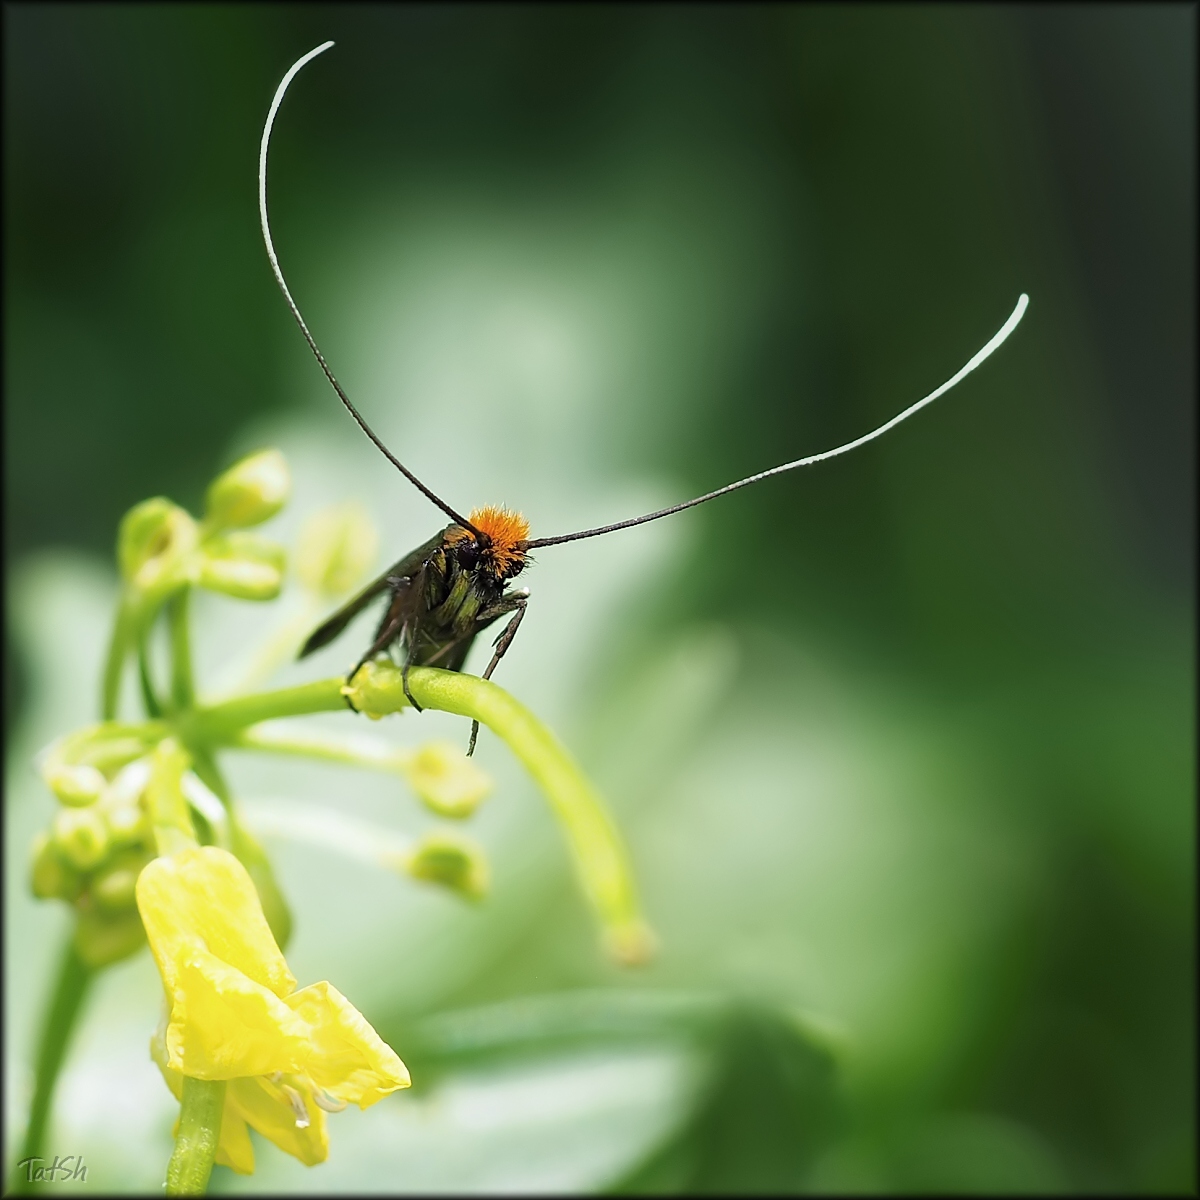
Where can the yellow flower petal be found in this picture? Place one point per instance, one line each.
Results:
(234, 1149)
(234, 1014)
(203, 897)
(158, 1052)
(233, 1144)
(348, 1059)
(224, 1025)
(266, 1108)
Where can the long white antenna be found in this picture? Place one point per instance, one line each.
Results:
(287, 295)
(1001, 336)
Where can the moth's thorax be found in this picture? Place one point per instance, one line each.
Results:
(502, 556)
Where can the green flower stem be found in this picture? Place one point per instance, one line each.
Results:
(358, 752)
(196, 1143)
(170, 817)
(596, 846)
(281, 646)
(221, 723)
(600, 856)
(182, 687)
(124, 635)
(66, 1003)
(150, 700)
(331, 830)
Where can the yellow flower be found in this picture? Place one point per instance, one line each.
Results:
(288, 1055)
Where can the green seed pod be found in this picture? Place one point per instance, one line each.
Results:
(152, 542)
(446, 780)
(336, 548)
(80, 836)
(452, 861)
(49, 877)
(252, 490)
(75, 785)
(102, 938)
(242, 565)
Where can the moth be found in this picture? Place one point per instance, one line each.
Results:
(450, 589)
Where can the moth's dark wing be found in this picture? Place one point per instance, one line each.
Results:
(405, 568)
(325, 634)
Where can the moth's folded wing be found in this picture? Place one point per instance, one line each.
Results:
(324, 634)
(405, 568)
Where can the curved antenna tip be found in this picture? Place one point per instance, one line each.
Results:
(981, 356)
(265, 223)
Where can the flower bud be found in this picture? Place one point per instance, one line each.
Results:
(129, 783)
(102, 938)
(242, 565)
(127, 824)
(336, 548)
(49, 877)
(452, 861)
(75, 785)
(80, 836)
(446, 780)
(114, 888)
(252, 490)
(153, 539)
(631, 944)
(378, 689)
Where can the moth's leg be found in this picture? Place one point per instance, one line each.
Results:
(432, 662)
(404, 680)
(429, 662)
(390, 628)
(504, 640)
(502, 643)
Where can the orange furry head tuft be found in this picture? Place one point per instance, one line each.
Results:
(507, 531)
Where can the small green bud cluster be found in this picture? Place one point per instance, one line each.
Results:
(99, 839)
(161, 548)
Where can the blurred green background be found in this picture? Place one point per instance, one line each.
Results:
(903, 745)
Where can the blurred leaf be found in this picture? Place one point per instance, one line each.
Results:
(769, 1108)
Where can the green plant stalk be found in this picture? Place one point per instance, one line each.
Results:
(221, 723)
(150, 700)
(597, 849)
(599, 854)
(124, 634)
(182, 685)
(383, 758)
(281, 646)
(74, 978)
(75, 975)
(196, 1143)
(170, 817)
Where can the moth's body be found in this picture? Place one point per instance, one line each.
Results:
(442, 595)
